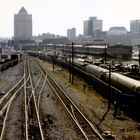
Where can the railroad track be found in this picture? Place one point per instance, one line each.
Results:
(29, 113)
(30, 91)
(6, 102)
(85, 127)
(33, 128)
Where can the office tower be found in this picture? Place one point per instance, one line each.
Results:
(71, 34)
(92, 25)
(135, 26)
(22, 27)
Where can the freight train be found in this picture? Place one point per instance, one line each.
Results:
(115, 87)
(119, 81)
(122, 91)
(123, 83)
(7, 63)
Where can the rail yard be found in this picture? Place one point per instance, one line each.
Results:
(38, 102)
(21, 106)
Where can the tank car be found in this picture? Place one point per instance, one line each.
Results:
(96, 70)
(126, 84)
(80, 64)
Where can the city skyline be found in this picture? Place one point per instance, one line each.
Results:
(58, 16)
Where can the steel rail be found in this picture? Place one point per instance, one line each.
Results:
(4, 101)
(38, 82)
(6, 94)
(30, 96)
(11, 99)
(72, 116)
(35, 104)
(38, 101)
(25, 102)
(15, 86)
(7, 111)
(73, 104)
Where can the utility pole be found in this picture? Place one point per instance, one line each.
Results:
(106, 52)
(44, 55)
(70, 70)
(69, 67)
(0, 51)
(54, 55)
(139, 53)
(87, 50)
(109, 92)
(139, 57)
(72, 78)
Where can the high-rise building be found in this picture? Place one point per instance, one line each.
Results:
(22, 27)
(135, 26)
(91, 25)
(71, 34)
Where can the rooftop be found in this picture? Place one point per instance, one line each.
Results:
(22, 11)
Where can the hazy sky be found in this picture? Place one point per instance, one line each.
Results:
(56, 16)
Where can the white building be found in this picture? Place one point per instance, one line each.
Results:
(22, 26)
(117, 31)
(92, 25)
(71, 34)
(135, 26)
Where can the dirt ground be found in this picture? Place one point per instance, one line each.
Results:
(94, 106)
